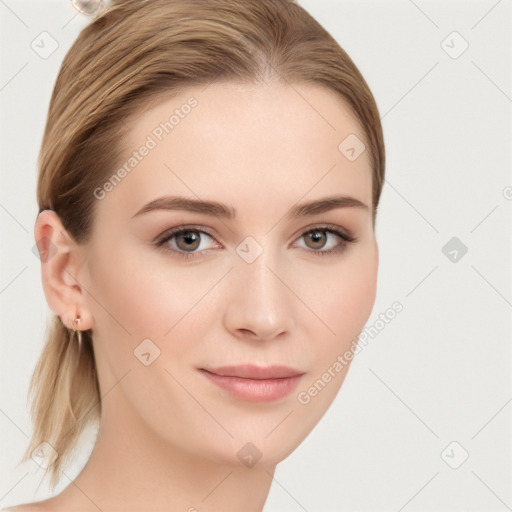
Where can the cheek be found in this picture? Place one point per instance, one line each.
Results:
(354, 299)
(145, 294)
(345, 299)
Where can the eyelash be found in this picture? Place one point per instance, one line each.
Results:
(346, 239)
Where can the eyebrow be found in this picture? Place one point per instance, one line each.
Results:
(221, 210)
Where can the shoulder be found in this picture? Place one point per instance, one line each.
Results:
(27, 507)
(56, 503)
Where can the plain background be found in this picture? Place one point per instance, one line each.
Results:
(434, 385)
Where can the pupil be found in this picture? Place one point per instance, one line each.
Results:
(317, 236)
(190, 238)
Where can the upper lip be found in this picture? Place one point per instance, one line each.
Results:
(250, 371)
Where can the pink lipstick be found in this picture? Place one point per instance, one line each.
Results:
(255, 383)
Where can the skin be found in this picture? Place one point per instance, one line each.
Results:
(169, 437)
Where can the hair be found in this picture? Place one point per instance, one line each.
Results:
(132, 55)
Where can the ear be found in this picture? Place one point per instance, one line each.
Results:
(61, 259)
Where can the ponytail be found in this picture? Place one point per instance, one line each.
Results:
(64, 395)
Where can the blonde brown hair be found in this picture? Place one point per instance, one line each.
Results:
(130, 56)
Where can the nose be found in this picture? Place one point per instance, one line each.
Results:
(259, 303)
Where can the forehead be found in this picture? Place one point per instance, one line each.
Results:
(236, 142)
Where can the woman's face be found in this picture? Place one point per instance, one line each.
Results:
(255, 283)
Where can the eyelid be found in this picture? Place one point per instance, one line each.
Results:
(325, 226)
(184, 227)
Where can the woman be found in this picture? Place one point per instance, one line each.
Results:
(209, 180)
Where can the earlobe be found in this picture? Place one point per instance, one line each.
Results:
(59, 255)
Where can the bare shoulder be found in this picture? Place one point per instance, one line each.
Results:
(39, 506)
(26, 507)
(58, 503)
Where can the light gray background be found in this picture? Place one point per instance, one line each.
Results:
(440, 371)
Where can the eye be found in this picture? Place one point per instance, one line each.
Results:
(323, 240)
(184, 241)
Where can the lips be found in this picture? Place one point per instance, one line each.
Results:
(249, 371)
(254, 383)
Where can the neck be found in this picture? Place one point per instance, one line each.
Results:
(131, 469)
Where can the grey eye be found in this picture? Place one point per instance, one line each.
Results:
(187, 240)
(318, 238)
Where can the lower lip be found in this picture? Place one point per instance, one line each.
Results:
(255, 390)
